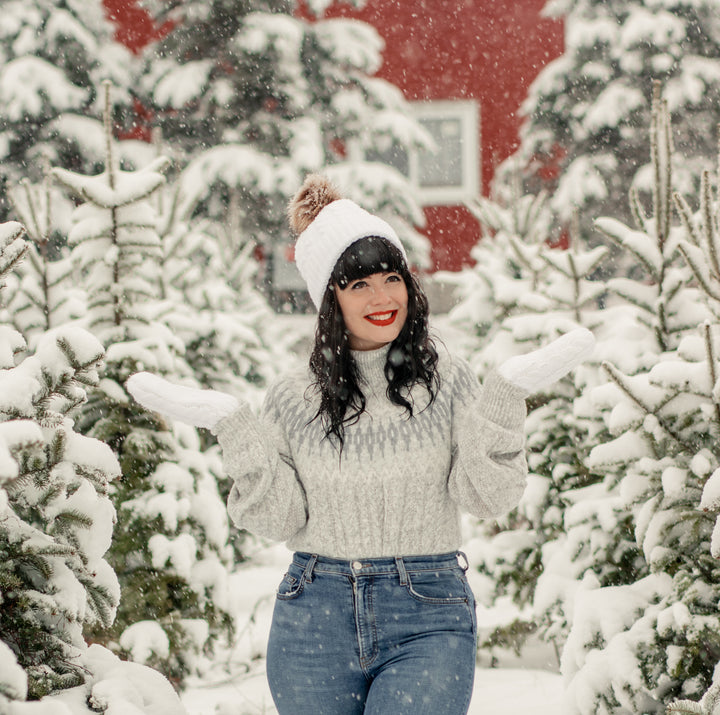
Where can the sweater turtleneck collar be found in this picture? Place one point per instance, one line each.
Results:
(371, 364)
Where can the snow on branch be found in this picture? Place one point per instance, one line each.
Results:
(636, 242)
(648, 397)
(702, 251)
(12, 247)
(130, 186)
(706, 706)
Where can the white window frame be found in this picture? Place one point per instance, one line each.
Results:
(467, 113)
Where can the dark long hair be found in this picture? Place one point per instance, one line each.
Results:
(412, 357)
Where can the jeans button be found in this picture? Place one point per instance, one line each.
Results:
(357, 565)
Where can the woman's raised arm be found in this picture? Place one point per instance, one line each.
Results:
(266, 497)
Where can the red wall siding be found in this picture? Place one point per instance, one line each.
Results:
(136, 28)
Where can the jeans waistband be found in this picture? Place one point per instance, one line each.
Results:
(313, 563)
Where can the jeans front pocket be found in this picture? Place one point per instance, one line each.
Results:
(292, 584)
(444, 586)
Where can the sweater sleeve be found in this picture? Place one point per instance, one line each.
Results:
(489, 469)
(266, 497)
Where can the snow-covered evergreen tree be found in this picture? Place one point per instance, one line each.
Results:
(533, 292)
(170, 547)
(53, 56)
(574, 530)
(208, 278)
(639, 646)
(662, 628)
(559, 431)
(586, 111)
(56, 518)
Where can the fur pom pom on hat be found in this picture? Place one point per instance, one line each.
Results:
(328, 224)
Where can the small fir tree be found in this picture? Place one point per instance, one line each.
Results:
(56, 518)
(640, 646)
(539, 292)
(170, 547)
(586, 111)
(208, 280)
(560, 431)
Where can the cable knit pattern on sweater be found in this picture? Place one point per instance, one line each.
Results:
(401, 482)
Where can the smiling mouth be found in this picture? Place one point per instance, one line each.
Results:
(385, 318)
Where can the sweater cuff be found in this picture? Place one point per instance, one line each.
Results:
(232, 431)
(504, 402)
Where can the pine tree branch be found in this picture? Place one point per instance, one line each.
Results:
(655, 159)
(109, 139)
(710, 234)
(685, 213)
(685, 707)
(706, 706)
(515, 244)
(710, 352)
(669, 148)
(576, 286)
(698, 272)
(630, 297)
(100, 599)
(33, 223)
(637, 210)
(619, 379)
(12, 248)
(661, 327)
(651, 270)
(65, 521)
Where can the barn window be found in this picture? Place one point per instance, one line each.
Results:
(450, 173)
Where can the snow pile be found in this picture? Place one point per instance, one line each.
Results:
(113, 686)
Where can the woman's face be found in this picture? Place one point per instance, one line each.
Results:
(374, 309)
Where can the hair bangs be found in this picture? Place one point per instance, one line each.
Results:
(367, 256)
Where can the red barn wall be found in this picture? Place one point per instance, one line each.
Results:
(135, 27)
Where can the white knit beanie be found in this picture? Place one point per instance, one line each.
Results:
(327, 225)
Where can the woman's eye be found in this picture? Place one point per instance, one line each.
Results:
(358, 284)
(393, 278)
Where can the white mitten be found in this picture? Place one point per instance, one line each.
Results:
(540, 368)
(201, 408)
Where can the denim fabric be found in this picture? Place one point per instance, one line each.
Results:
(375, 636)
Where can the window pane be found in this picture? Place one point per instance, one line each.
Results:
(443, 167)
(396, 156)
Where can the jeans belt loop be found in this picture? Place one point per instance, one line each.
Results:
(401, 570)
(307, 573)
(464, 566)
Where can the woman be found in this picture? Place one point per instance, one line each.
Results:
(363, 465)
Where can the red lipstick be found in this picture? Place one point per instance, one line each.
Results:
(386, 321)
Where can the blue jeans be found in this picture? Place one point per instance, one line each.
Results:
(376, 636)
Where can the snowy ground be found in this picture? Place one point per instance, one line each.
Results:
(503, 691)
(236, 684)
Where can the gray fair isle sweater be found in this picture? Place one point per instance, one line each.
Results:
(401, 482)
